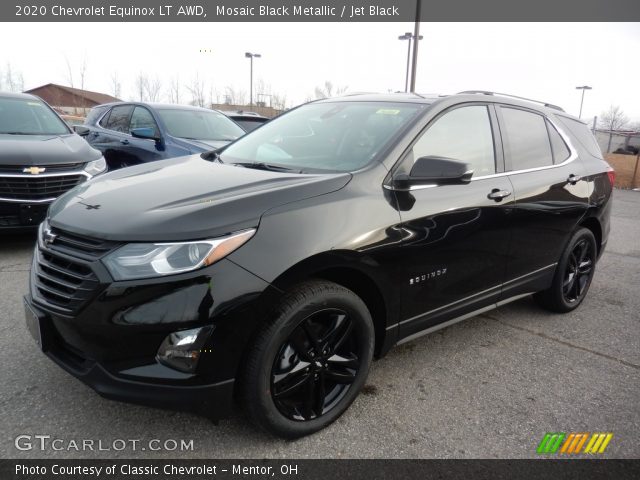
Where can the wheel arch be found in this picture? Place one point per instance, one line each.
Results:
(593, 224)
(347, 269)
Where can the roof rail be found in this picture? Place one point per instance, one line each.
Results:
(485, 92)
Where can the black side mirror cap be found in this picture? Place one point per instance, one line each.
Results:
(433, 170)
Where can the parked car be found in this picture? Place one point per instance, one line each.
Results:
(40, 159)
(247, 120)
(273, 270)
(133, 133)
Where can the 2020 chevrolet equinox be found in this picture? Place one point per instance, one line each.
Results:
(274, 269)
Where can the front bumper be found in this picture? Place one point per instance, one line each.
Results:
(110, 342)
(22, 216)
(212, 400)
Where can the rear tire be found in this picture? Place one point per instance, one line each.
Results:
(573, 276)
(309, 361)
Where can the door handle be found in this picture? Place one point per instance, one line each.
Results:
(573, 179)
(497, 194)
(124, 141)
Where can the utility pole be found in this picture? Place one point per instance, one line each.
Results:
(583, 88)
(416, 38)
(407, 36)
(251, 56)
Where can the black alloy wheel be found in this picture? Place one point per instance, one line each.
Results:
(315, 366)
(309, 360)
(574, 273)
(578, 272)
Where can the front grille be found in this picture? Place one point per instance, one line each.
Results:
(60, 167)
(62, 283)
(63, 277)
(38, 187)
(78, 245)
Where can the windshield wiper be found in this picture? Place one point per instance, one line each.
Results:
(267, 166)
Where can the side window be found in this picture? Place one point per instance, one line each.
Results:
(526, 140)
(142, 118)
(93, 115)
(104, 121)
(462, 134)
(119, 118)
(560, 150)
(581, 131)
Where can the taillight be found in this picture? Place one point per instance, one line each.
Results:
(611, 173)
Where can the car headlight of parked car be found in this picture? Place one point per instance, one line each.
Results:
(95, 167)
(146, 260)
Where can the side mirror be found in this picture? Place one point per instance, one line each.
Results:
(145, 132)
(80, 130)
(434, 170)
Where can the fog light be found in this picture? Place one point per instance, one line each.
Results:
(181, 350)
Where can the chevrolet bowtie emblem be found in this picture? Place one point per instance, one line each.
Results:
(49, 237)
(34, 170)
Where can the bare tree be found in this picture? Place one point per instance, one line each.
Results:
(174, 90)
(13, 81)
(152, 89)
(141, 86)
(69, 71)
(613, 120)
(234, 96)
(83, 71)
(116, 86)
(329, 90)
(197, 89)
(279, 101)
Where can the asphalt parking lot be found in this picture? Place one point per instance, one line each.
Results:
(490, 387)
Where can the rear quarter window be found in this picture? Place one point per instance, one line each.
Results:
(580, 131)
(94, 114)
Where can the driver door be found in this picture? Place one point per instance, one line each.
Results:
(456, 237)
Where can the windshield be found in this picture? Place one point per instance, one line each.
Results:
(29, 116)
(199, 124)
(340, 137)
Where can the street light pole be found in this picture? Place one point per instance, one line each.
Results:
(407, 36)
(416, 39)
(251, 56)
(583, 88)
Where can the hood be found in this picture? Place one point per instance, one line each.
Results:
(180, 199)
(38, 150)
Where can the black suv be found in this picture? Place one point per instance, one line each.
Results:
(275, 269)
(40, 159)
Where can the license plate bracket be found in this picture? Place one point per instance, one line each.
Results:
(32, 214)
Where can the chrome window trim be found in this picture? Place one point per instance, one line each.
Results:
(572, 156)
(567, 140)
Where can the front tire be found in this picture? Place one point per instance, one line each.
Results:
(573, 275)
(309, 361)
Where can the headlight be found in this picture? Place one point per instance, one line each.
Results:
(145, 260)
(96, 167)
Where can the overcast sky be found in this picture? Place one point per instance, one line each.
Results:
(544, 61)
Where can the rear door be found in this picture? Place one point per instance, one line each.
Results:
(550, 196)
(456, 237)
